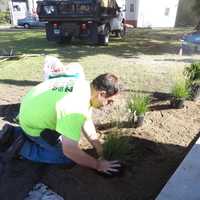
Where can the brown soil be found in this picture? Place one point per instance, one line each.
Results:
(157, 149)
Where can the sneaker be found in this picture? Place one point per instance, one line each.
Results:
(6, 134)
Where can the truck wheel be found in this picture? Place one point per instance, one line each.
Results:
(93, 34)
(123, 32)
(104, 39)
(117, 34)
(48, 29)
(26, 26)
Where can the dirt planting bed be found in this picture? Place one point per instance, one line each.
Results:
(157, 148)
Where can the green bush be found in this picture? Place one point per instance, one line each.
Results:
(116, 148)
(4, 17)
(138, 104)
(192, 73)
(180, 90)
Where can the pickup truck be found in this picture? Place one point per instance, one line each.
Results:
(84, 19)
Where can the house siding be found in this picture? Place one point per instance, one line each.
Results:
(157, 13)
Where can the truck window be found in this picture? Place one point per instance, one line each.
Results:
(84, 8)
(66, 8)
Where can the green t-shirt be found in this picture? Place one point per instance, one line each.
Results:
(59, 104)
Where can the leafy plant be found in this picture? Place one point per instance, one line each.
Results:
(192, 73)
(116, 148)
(180, 89)
(138, 104)
(4, 17)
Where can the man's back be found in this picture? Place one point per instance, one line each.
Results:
(49, 105)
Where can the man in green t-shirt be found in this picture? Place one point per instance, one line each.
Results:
(53, 114)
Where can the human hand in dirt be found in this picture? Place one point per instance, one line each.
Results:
(108, 166)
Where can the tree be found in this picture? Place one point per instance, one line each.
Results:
(3, 5)
(196, 9)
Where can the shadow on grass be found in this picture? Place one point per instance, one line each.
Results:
(145, 41)
(19, 82)
(20, 29)
(186, 60)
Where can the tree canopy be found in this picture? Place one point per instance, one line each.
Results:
(196, 7)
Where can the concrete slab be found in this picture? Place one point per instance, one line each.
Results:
(185, 182)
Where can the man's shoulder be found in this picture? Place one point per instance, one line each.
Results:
(82, 87)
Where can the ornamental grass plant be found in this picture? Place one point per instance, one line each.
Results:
(138, 104)
(116, 148)
(180, 90)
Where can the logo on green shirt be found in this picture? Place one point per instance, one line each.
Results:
(60, 87)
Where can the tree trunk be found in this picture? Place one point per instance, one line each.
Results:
(198, 26)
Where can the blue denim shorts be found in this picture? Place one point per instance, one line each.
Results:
(38, 150)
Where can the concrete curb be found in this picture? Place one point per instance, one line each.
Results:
(184, 183)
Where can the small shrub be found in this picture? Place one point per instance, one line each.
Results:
(4, 17)
(138, 104)
(192, 73)
(116, 148)
(180, 90)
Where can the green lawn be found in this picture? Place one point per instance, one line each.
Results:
(120, 57)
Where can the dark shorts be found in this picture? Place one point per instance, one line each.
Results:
(39, 150)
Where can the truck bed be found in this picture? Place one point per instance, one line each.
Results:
(73, 10)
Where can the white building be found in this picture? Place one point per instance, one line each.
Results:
(140, 13)
(21, 8)
(151, 13)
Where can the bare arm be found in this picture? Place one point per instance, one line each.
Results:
(90, 133)
(72, 151)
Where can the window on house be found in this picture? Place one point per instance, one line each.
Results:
(16, 8)
(167, 10)
(131, 7)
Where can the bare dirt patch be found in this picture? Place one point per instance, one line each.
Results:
(157, 148)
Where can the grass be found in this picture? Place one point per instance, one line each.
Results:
(116, 148)
(138, 104)
(180, 90)
(118, 58)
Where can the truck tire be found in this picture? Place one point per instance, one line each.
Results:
(93, 34)
(48, 31)
(123, 32)
(117, 33)
(26, 26)
(120, 33)
(104, 38)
